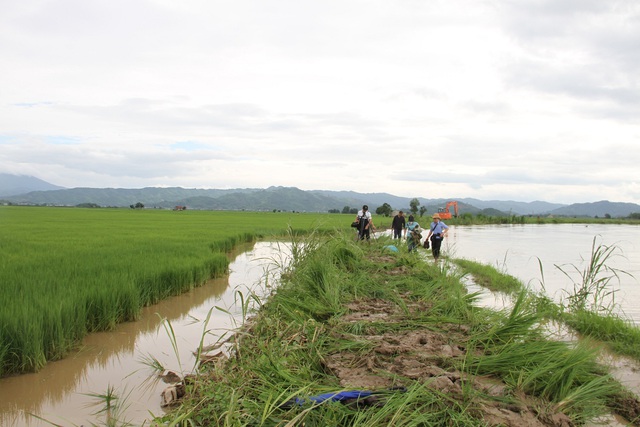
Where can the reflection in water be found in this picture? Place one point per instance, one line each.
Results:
(625, 370)
(59, 392)
(520, 250)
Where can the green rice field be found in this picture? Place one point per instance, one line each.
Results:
(65, 272)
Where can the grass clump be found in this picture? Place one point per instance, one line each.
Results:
(490, 278)
(592, 290)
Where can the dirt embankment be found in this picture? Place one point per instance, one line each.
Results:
(429, 357)
(426, 356)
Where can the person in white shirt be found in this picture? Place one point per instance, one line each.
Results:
(365, 223)
(437, 232)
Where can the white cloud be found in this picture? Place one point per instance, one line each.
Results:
(532, 100)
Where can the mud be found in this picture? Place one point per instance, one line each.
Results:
(426, 356)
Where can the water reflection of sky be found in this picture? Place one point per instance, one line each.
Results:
(58, 392)
(519, 250)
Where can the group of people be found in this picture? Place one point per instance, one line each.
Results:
(410, 230)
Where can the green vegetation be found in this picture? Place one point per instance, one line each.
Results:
(350, 315)
(489, 277)
(483, 219)
(65, 272)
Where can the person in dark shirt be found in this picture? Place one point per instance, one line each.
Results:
(398, 224)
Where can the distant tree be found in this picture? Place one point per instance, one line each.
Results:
(413, 206)
(607, 216)
(334, 211)
(423, 210)
(385, 209)
(468, 216)
(137, 206)
(346, 209)
(635, 215)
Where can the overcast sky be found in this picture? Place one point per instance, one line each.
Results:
(511, 100)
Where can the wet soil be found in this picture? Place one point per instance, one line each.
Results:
(426, 356)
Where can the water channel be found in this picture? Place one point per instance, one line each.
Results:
(60, 393)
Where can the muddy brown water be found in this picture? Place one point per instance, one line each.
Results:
(60, 392)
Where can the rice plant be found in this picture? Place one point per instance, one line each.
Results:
(593, 291)
(69, 272)
(110, 408)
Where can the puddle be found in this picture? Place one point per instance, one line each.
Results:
(60, 392)
(485, 298)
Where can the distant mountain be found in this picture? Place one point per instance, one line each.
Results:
(13, 185)
(281, 198)
(512, 207)
(473, 206)
(118, 197)
(598, 209)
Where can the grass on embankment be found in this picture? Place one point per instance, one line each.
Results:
(621, 335)
(310, 324)
(490, 278)
(65, 272)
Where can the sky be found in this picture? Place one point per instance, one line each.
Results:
(497, 100)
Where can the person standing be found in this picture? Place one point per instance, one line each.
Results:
(412, 231)
(398, 225)
(437, 232)
(365, 223)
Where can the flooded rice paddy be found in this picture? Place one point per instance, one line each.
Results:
(61, 392)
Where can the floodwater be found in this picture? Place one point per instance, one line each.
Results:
(60, 393)
(521, 250)
(538, 255)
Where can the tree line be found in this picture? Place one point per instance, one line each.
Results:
(386, 209)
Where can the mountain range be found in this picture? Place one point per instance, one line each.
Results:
(28, 190)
